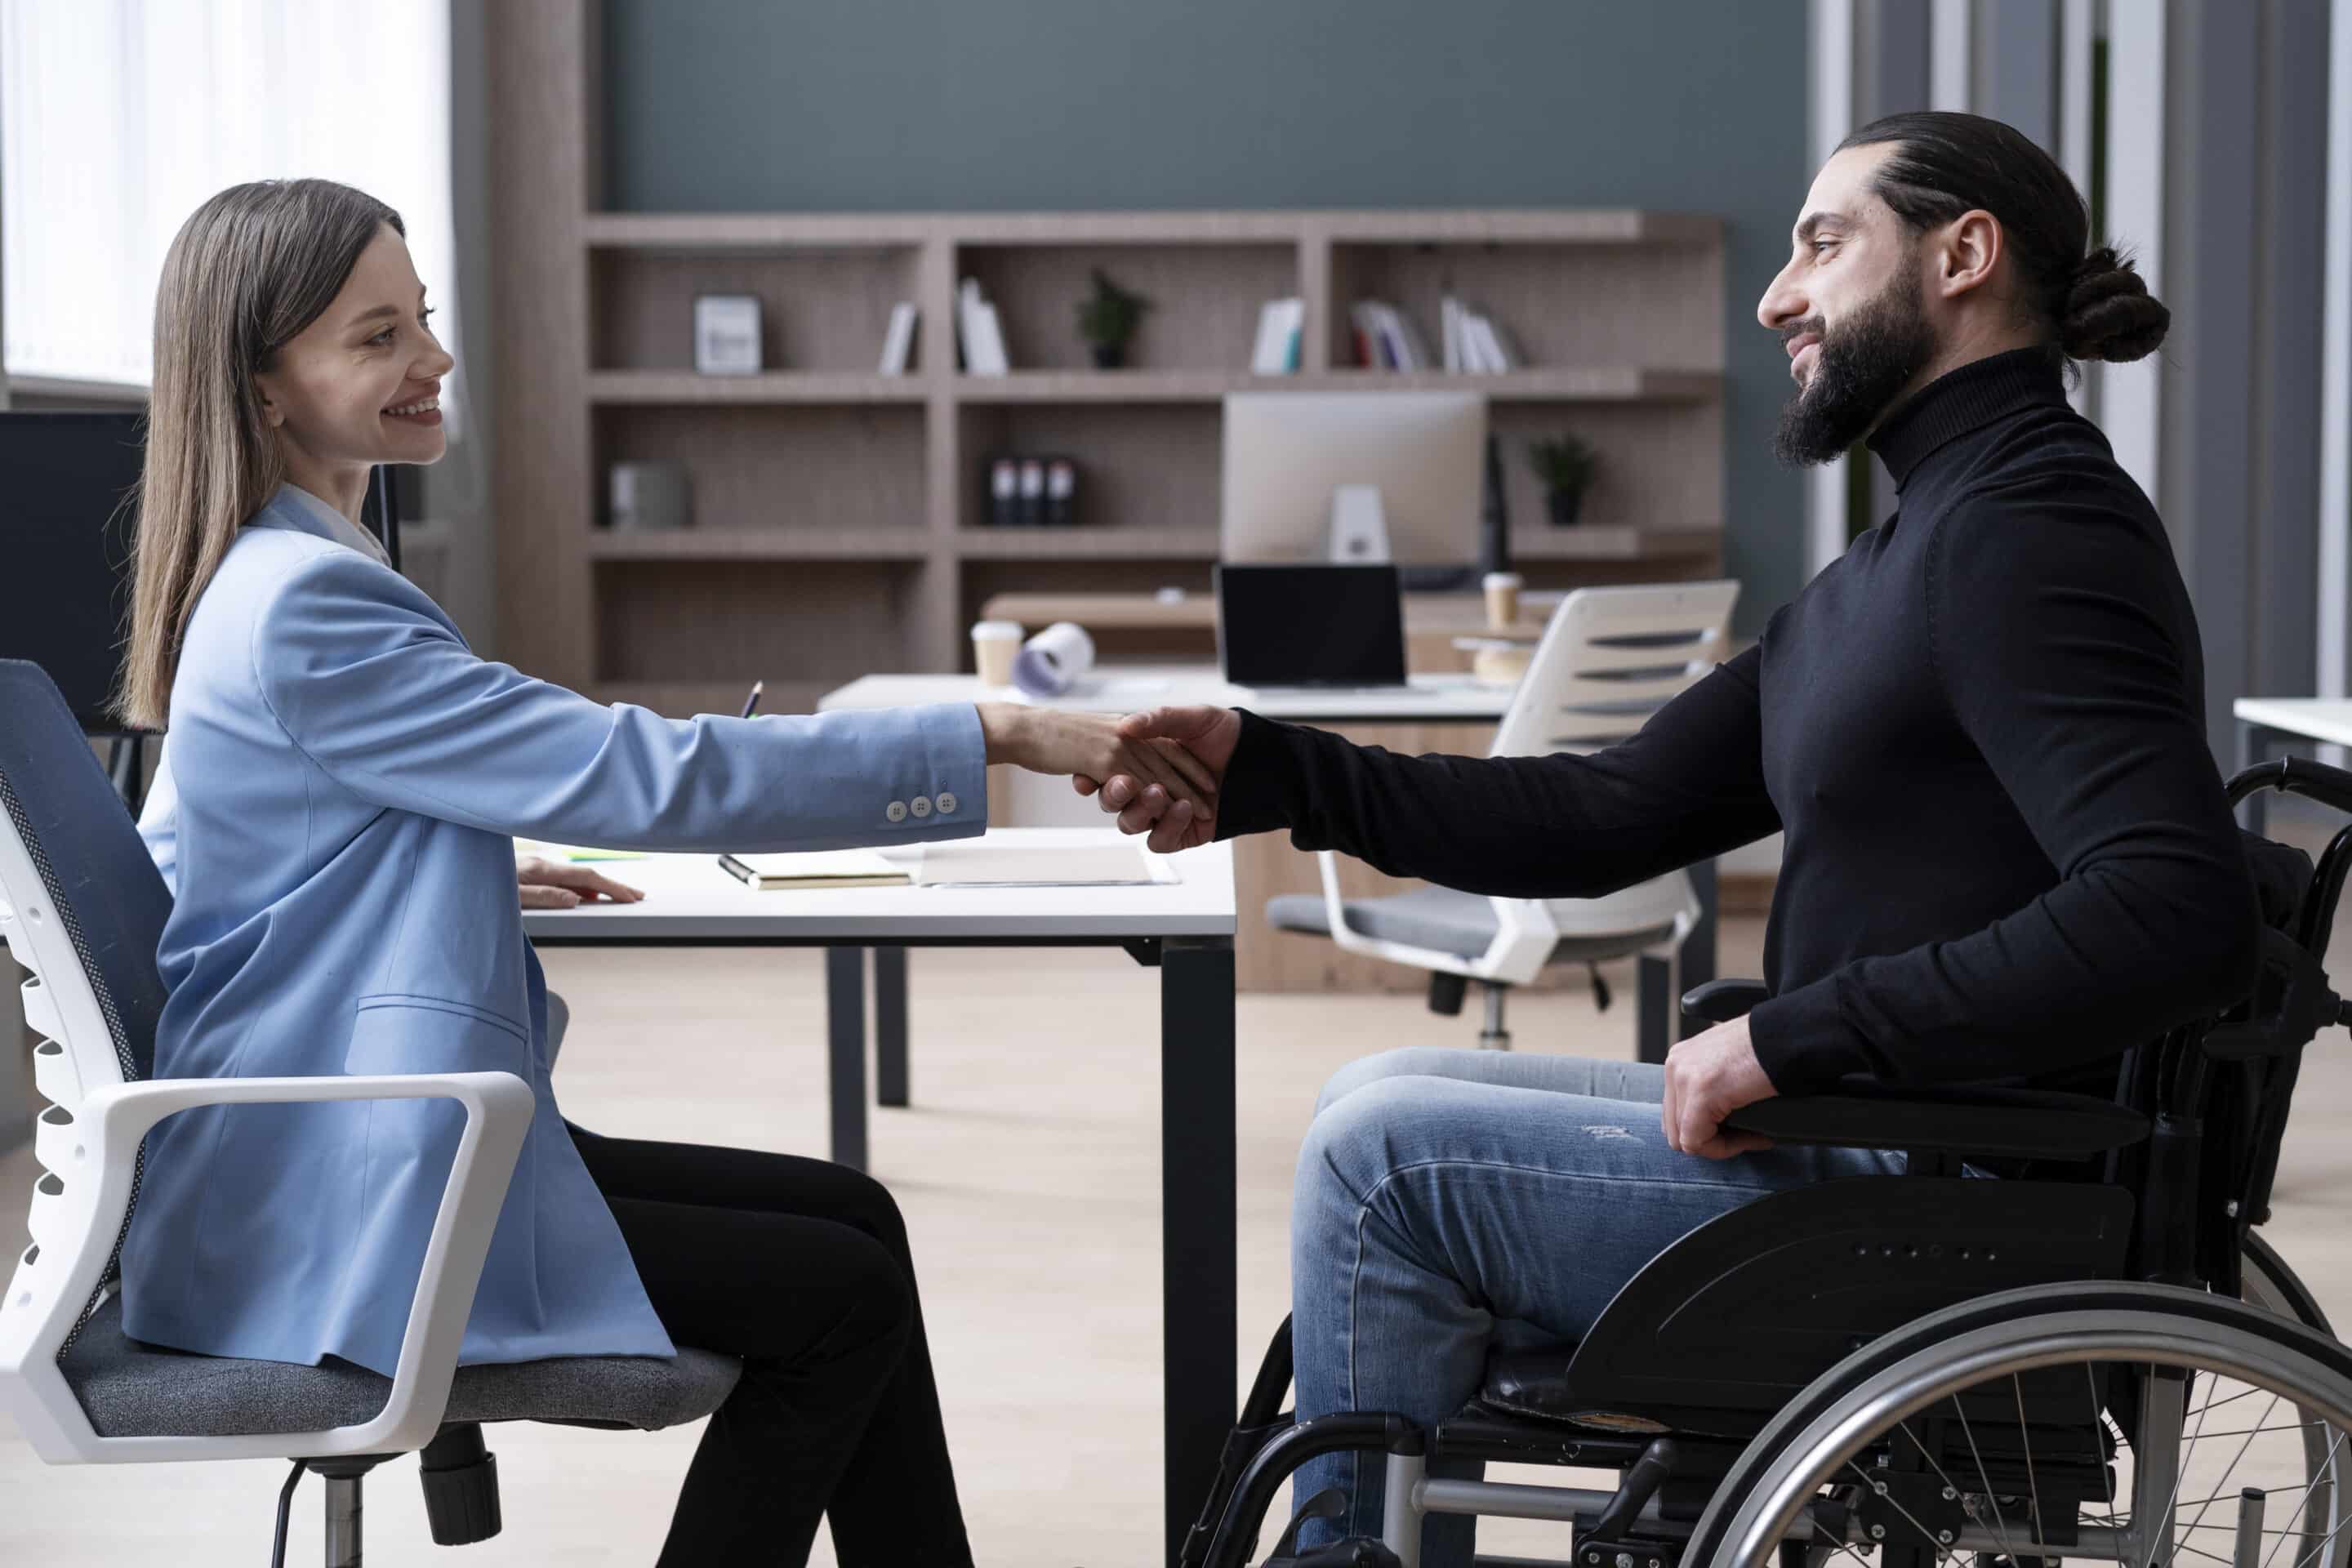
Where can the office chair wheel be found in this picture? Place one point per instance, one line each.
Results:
(2142, 1424)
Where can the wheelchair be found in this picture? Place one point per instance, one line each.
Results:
(2095, 1356)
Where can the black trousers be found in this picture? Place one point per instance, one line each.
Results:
(801, 1268)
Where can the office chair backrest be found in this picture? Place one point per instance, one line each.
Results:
(1608, 659)
(82, 906)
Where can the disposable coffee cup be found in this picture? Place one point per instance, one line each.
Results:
(994, 646)
(1502, 599)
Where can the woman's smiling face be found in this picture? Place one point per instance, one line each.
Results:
(361, 386)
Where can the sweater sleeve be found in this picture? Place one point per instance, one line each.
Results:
(1688, 786)
(2064, 644)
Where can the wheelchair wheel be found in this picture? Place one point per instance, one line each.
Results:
(2142, 1424)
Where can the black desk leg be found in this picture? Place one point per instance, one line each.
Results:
(890, 1025)
(2253, 745)
(1200, 1289)
(844, 1028)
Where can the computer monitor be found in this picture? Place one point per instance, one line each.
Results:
(1287, 453)
(65, 581)
(65, 576)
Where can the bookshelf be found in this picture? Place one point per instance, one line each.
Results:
(839, 514)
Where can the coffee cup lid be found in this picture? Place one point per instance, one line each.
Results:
(1503, 580)
(996, 631)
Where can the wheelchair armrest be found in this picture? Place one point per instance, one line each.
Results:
(1721, 1001)
(1957, 1119)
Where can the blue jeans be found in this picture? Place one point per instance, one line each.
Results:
(1451, 1201)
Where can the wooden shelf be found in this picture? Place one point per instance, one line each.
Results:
(686, 386)
(771, 231)
(761, 544)
(1605, 543)
(1600, 384)
(1087, 543)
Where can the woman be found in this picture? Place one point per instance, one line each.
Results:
(348, 779)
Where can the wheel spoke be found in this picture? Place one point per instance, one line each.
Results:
(1999, 1527)
(2032, 1488)
(2327, 1465)
(2233, 1458)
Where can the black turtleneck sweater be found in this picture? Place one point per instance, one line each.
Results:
(1981, 729)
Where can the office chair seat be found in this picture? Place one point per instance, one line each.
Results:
(1442, 920)
(135, 1390)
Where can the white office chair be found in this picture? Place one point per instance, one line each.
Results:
(81, 906)
(1608, 659)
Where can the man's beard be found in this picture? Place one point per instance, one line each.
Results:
(1861, 367)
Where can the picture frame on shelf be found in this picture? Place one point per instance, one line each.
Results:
(727, 334)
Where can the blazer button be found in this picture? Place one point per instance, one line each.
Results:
(895, 811)
(947, 803)
(920, 806)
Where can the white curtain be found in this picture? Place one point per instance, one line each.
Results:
(118, 118)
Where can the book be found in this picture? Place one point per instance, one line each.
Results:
(1277, 349)
(1416, 347)
(1449, 330)
(899, 341)
(843, 868)
(982, 334)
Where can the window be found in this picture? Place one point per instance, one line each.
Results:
(118, 118)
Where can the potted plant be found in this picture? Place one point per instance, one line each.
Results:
(1107, 319)
(1565, 464)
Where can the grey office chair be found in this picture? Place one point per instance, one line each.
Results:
(1608, 659)
(82, 906)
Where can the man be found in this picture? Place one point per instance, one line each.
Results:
(1981, 731)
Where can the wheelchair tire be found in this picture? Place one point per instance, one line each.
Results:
(1862, 1402)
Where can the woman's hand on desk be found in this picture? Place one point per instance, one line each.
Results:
(552, 885)
(1090, 746)
(1207, 736)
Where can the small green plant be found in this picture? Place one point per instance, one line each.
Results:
(1108, 317)
(1565, 463)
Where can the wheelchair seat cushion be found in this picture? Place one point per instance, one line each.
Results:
(1442, 920)
(135, 1390)
(1533, 1385)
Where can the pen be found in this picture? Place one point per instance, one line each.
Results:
(752, 702)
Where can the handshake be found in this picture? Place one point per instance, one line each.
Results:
(1159, 770)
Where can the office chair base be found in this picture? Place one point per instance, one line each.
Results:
(1494, 1036)
(343, 1508)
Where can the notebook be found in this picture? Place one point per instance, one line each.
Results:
(976, 865)
(843, 868)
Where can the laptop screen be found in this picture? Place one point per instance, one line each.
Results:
(1310, 625)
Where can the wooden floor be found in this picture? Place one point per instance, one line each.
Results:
(1028, 1172)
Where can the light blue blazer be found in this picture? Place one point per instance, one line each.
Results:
(349, 776)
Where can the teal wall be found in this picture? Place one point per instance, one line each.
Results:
(981, 105)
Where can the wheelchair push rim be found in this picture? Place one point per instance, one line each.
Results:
(2142, 1336)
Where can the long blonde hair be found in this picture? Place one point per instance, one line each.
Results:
(248, 272)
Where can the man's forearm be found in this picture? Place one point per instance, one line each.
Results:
(1518, 827)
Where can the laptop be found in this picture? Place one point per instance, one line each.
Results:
(1310, 627)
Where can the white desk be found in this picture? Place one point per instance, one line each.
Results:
(1425, 699)
(1122, 688)
(2265, 722)
(1186, 929)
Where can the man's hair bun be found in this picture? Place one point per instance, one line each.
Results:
(2109, 313)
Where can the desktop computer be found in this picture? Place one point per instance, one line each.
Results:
(1362, 477)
